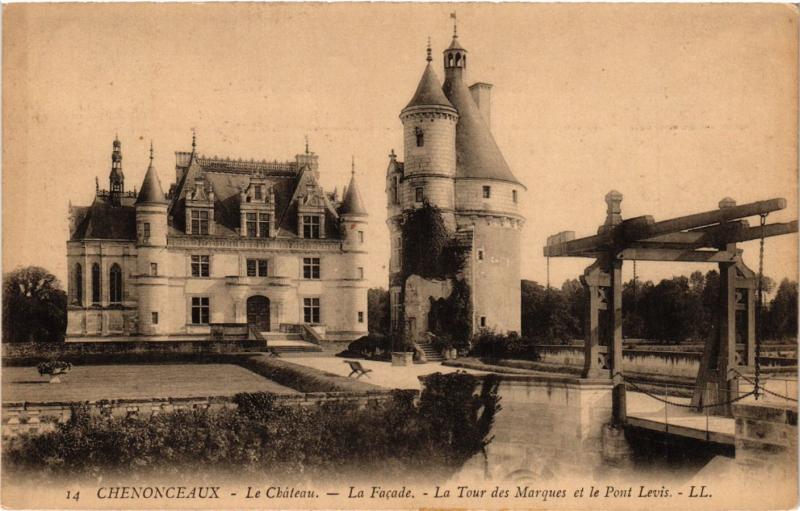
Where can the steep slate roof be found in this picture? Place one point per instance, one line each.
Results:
(477, 154)
(429, 91)
(102, 220)
(352, 203)
(227, 177)
(151, 191)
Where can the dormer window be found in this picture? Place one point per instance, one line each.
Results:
(257, 225)
(311, 226)
(420, 134)
(200, 221)
(257, 211)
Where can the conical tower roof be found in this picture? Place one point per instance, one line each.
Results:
(352, 203)
(151, 191)
(477, 153)
(429, 91)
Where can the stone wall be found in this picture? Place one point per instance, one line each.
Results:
(36, 418)
(495, 282)
(33, 352)
(684, 364)
(548, 427)
(766, 440)
(417, 302)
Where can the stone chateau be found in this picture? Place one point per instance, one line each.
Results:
(451, 160)
(234, 246)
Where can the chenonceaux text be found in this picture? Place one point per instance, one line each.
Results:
(158, 492)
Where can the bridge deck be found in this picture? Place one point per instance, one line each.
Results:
(647, 413)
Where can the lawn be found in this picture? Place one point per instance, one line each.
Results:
(94, 382)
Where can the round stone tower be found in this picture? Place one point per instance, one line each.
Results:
(486, 202)
(354, 222)
(151, 245)
(429, 132)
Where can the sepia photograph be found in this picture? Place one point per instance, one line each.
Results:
(399, 255)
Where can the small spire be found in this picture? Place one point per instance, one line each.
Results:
(96, 184)
(429, 58)
(455, 24)
(151, 150)
(306, 144)
(352, 165)
(194, 140)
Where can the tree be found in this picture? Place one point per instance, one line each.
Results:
(34, 306)
(781, 318)
(575, 295)
(378, 310)
(546, 314)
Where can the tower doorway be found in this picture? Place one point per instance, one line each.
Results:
(258, 312)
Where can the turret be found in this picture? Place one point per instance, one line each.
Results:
(353, 216)
(394, 177)
(354, 221)
(116, 179)
(429, 126)
(151, 210)
(151, 242)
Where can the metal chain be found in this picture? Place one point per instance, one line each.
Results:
(683, 405)
(764, 389)
(760, 306)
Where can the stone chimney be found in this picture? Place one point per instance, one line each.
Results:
(482, 94)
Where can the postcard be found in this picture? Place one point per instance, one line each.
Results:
(399, 256)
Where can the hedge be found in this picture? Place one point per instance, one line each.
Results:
(301, 378)
(398, 439)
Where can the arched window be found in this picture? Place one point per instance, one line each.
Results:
(420, 137)
(95, 283)
(78, 284)
(450, 60)
(115, 284)
(458, 59)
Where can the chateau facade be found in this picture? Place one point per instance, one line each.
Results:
(243, 246)
(451, 160)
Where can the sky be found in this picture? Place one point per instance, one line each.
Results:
(675, 106)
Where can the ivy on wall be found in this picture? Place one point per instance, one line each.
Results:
(431, 251)
(451, 318)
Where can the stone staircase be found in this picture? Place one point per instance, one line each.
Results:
(283, 342)
(431, 354)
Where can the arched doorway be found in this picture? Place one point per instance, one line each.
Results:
(258, 312)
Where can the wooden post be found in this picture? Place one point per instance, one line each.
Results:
(750, 344)
(728, 385)
(615, 348)
(595, 282)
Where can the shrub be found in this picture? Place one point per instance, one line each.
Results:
(302, 378)
(396, 438)
(489, 344)
(369, 346)
(53, 367)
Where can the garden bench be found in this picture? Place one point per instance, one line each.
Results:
(357, 369)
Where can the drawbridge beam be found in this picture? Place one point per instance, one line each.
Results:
(641, 228)
(708, 237)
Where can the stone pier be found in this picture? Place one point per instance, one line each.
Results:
(766, 440)
(549, 426)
